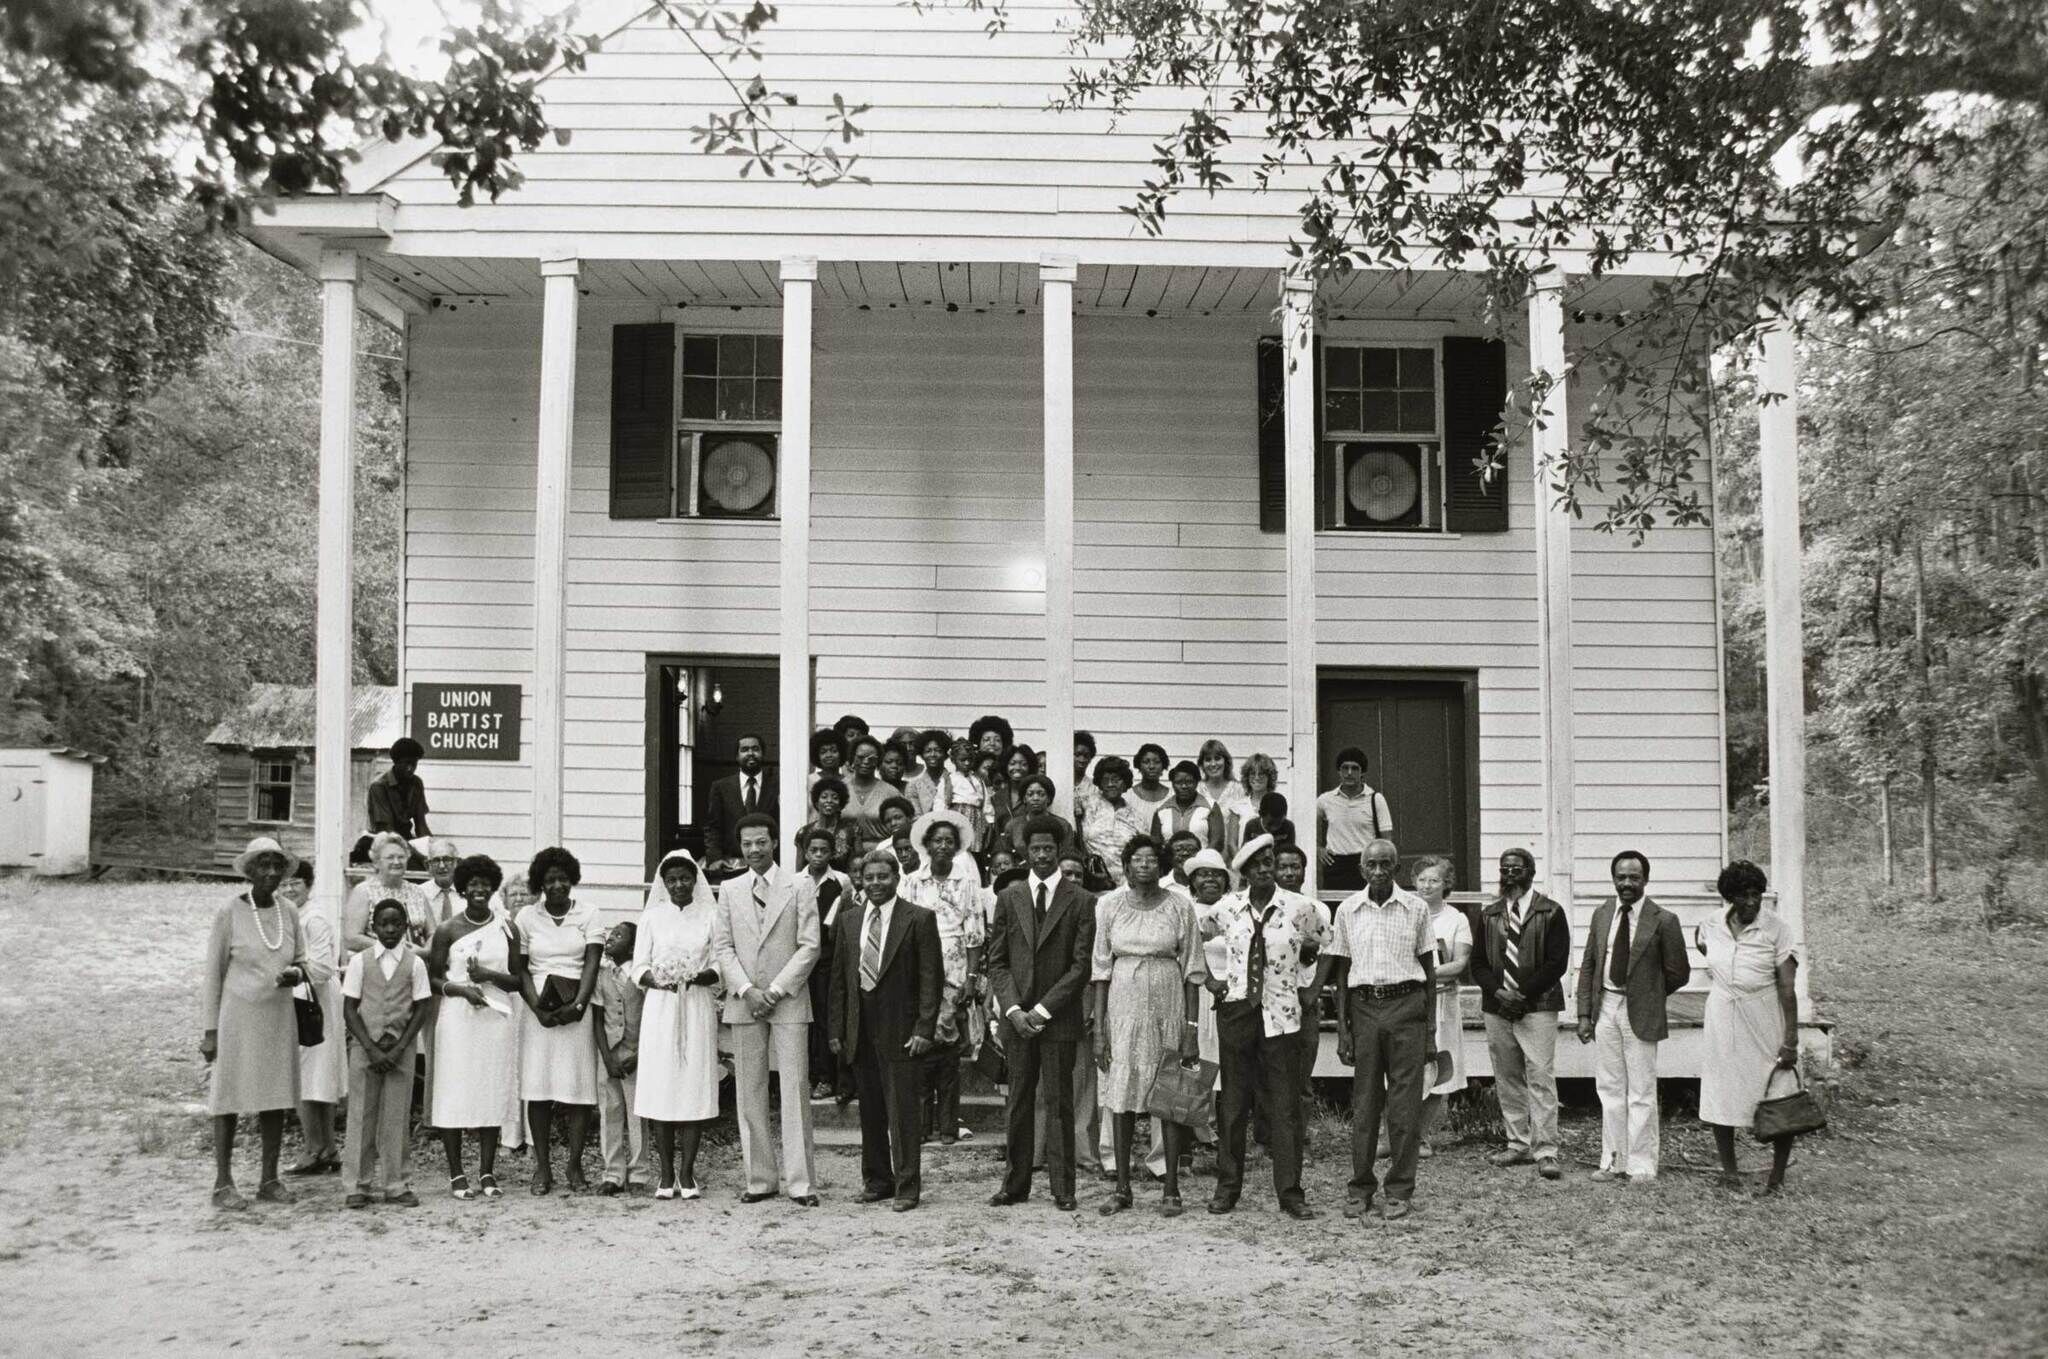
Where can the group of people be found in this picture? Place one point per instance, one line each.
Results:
(1104, 958)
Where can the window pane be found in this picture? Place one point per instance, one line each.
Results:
(735, 398)
(1341, 411)
(1340, 366)
(700, 355)
(735, 355)
(1380, 412)
(1418, 369)
(768, 398)
(768, 355)
(1418, 412)
(1378, 367)
(700, 398)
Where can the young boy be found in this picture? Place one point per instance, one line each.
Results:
(385, 1001)
(615, 1022)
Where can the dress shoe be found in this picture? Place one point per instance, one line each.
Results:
(804, 1200)
(1396, 1209)
(1065, 1205)
(875, 1195)
(903, 1205)
(1510, 1157)
(1549, 1169)
(1357, 1208)
(750, 1196)
(227, 1197)
(407, 1199)
(1300, 1212)
(609, 1189)
(1002, 1199)
(1605, 1176)
(273, 1191)
(356, 1201)
(1220, 1206)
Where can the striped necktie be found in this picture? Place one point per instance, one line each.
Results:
(1511, 940)
(760, 894)
(871, 950)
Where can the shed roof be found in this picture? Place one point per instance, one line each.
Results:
(281, 717)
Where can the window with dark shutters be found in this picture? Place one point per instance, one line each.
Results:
(643, 421)
(1475, 391)
(1273, 434)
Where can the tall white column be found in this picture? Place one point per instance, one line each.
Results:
(1551, 441)
(1297, 344)
(1056, 279)
(334, 591)
(1784, 628)
(551, 539)
(793, 731)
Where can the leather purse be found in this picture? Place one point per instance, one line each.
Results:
(306, 1009)
(990, 1060)
(1180, 1089)
(558, 993)
(1792, 1115)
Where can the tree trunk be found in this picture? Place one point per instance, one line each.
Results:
(1884, 830)
(1930, 882)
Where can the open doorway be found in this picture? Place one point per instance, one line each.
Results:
(1419, 730)
(698, 707)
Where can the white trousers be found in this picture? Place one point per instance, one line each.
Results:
(620, 1136)
(1626, 1076)
(792, 1055)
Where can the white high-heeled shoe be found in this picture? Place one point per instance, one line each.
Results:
(693, 1192)
(665, 1192)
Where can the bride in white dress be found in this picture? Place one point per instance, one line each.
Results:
(678, 1086)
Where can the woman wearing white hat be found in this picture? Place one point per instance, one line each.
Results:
(254, 957)
(678, 1087)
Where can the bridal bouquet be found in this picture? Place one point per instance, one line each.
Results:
(671, 973)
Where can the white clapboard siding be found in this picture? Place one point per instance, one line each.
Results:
(925, 605)
(965, 158)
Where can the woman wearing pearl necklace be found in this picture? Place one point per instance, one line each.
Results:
(254, 957)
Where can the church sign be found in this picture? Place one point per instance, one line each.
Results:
(466, 721)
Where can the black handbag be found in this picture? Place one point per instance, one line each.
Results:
(1792, 1115)
(990, 1060)
(306, 1008)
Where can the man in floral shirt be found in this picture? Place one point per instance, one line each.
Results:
(1271, 939)
(948, 884)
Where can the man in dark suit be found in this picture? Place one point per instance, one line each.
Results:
(1635, 957)
(737, 795)
(886, 978)
(1038, 958)
(1519, 966)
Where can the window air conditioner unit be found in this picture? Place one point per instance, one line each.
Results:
(732, 474)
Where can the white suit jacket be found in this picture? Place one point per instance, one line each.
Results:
(775, 947)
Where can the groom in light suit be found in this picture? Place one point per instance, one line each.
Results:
(765, 943)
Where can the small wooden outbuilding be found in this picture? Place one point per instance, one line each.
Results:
(264, 765)
(46, 809)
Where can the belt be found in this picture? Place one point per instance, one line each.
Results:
(1372, 992)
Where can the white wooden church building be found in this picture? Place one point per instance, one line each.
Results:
(687, 454)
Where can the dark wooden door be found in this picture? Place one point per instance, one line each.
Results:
(1419, 732)
(747, 700)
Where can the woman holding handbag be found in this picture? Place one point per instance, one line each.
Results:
(1146, 983)
(559, 942)
(255, 956)
(1752, 1020)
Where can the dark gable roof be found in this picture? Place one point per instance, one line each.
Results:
(280, 717)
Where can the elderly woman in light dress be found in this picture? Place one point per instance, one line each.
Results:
(1752, 1020)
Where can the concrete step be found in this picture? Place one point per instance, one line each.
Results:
(981, 1112)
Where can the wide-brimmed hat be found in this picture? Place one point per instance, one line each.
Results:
(1249, 848)
(261, 845)
(938, 816)
(1206, 858)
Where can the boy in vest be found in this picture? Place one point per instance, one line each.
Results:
(385, 1001)
(616, 1007)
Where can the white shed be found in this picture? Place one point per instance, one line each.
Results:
(46, 809)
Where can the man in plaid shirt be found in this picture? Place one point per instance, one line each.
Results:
(1383, 959)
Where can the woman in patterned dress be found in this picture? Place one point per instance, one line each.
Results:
(250, 1030)
(1147, 974)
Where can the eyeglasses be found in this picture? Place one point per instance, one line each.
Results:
(442, 859)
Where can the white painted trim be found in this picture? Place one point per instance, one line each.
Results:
(1550, 443)
(334, 588)
(1784, 628)
(1056, 278)
(794, 673)
(554, 437)
(363, 217)
(1297, 345)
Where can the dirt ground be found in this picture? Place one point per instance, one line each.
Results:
(1915, 1226)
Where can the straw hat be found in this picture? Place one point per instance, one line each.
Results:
(261, 845)
(1206, 858)
(939, 816)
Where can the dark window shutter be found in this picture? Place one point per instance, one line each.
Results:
(1475, 391)
(1273, 433)
(1272, 436)
(643, 421)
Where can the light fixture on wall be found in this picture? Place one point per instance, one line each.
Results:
(715, 702)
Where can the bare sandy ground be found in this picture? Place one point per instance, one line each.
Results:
(1915, 1227)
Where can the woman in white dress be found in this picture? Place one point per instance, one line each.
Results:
(1433, 878)
(514, 897)
(473, 1069)
(559, 943)
(1752, 1022)
(678, 1088)
(323, 1074)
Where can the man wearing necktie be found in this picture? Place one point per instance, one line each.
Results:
(1635, 957)
(749, 792)
(765, 942)
(887, 980)
(1040, 953)
(1519, 968)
